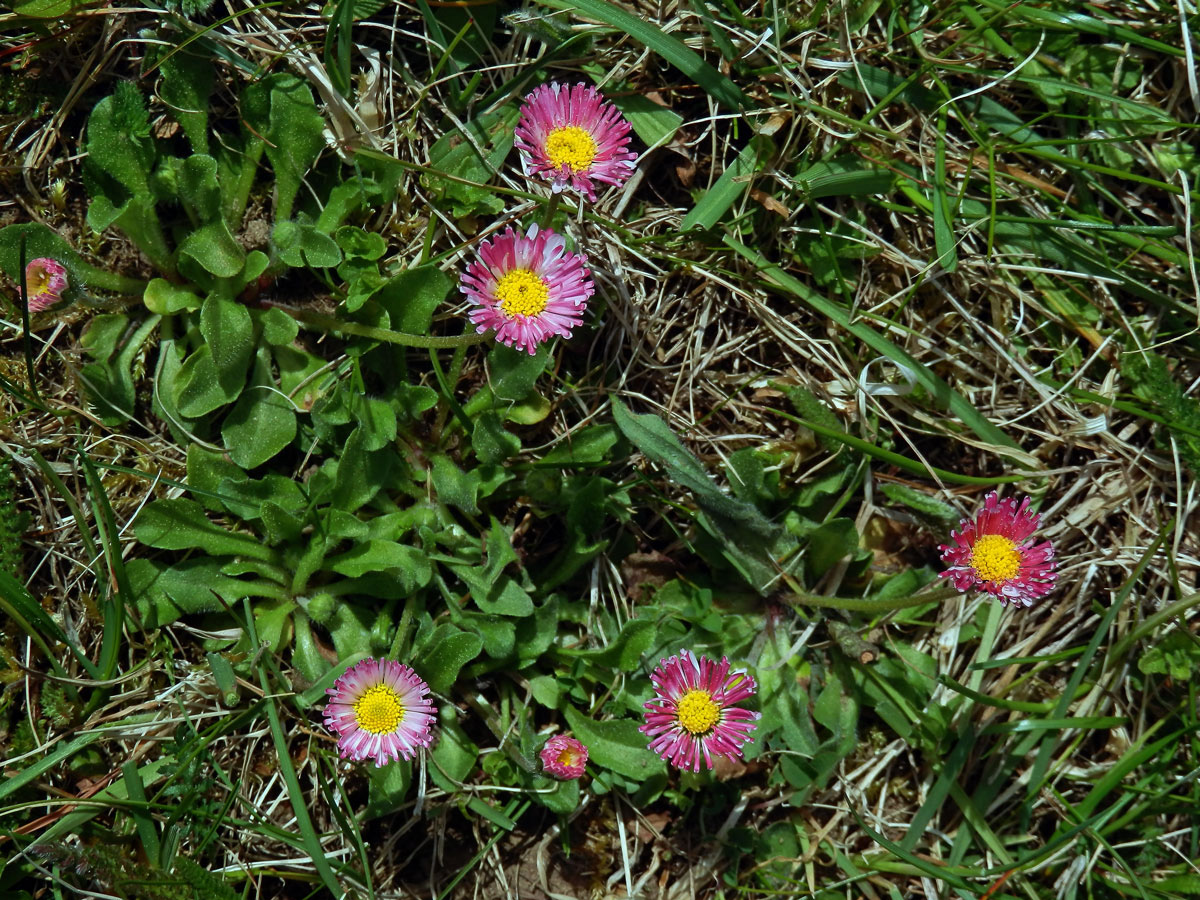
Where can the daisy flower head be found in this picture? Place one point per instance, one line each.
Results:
(45, 280)
(574, 137)
(996, 552)
(693, 716)
(528, 287)
(379, 709)
(564, 757)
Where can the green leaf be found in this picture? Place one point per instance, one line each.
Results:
(617, 745)
(830, 543)
(280, 109)
(454, 757)
(360, 473)
(262, 422)
(198, 387)
(301, 245)
(658, 442)
(377, 420)
(165, 298)
(358, 244)
(626, 652)
(1176, 655)
(466, 191)
(499, 596)
(114, 342)
(587, 446)
(181, 524)
(214, 249)
(454, 486)
(163, 593)
(843, 176)
(928, 507)
(447, 651)
(500, 552)
(229, 336)
(409, 566)
(493, 442)
(198, 188)
(411, 297)
(654, 123)
(118, 140)
(388, 789)
(187, 83)
(47, 9)
(278, 328)
(514, 373)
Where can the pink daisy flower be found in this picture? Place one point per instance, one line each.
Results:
(564, 757)
(574, 137)
(45, 280)
(528, 288)
(996, 553)
(694, 715)
(379, 709)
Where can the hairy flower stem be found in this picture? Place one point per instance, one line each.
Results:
(871, 607)
(551, 209)
(322, 322)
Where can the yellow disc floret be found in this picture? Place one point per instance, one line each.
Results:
(697, 711)
(569, 757)
(521, 292)
(995, 558)
(570, 146)
(37, 281)
(379, 710)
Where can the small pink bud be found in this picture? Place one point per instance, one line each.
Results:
(45, 280)
(564, 757)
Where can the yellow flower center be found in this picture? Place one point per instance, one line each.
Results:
(569, 756)
(521, 292)
(38, 281)
(995, 558)
(697, 711)
(570, 146)
(379, 710)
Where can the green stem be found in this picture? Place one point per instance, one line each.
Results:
(874, 607)
(551, 209)
(27, 340)
(321, 322)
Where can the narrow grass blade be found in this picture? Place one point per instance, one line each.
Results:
(943, 219)
(308, 834)
(114, 599)
(941, 873)
(942, 393)
(20, 606)
(44, 764)
(896, 459)
(673, 50)
(729, 187)
(1041, 764)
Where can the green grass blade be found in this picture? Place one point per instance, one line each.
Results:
(943, 227)
(942, 393)
(114, 600)
(673, 50)
(308, 834)
(20, 606)
(729, 187)
(1041, 764)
